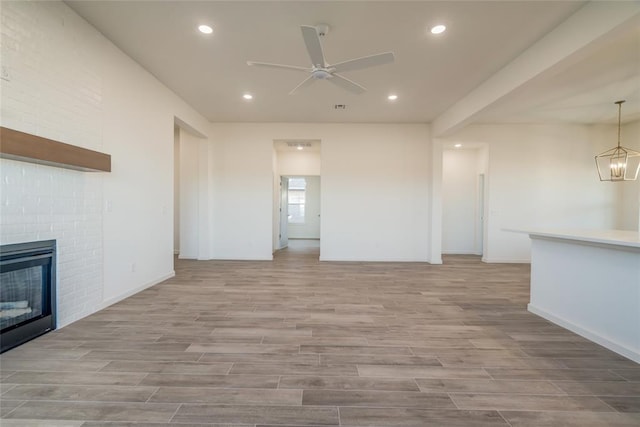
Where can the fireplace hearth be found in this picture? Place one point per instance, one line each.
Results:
(27, 292)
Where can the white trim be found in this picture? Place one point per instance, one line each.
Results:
(134, 291)
(371, 260)
(120, 297)
(633, 354)
(506, 260)
(260, 258)
(610, 239)
(456, 252)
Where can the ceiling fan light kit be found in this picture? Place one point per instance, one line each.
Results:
(619, 163)
(321, 70)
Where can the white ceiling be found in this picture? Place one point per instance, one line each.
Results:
(430, 74)
(584, 88)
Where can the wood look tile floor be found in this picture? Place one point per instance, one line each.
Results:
(297, 342)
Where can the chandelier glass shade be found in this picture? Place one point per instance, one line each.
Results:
(618, 163)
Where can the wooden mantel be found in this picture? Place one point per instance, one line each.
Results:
(16, 145)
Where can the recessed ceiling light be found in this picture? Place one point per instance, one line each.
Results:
(458, 145)
(247, 96)
(392, 97)
(438, 29)
(205, 29)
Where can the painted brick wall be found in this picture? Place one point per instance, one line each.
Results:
(62, 79)
(50, 89)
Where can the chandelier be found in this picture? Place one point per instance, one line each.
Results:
(618, 163)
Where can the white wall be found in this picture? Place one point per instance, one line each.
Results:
(629, 202)
(176, 190)
(540, 176)
(375, 180)
(299, 163)
(481, 225)
(67, 82)
(242, 177)
(275, 202)
(189, 190)
(461, 169)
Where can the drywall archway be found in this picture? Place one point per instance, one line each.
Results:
(192, 233)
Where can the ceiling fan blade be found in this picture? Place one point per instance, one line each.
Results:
(364, 62)
(286, 67)
(312, 40)
(306, 82)
(347, 84)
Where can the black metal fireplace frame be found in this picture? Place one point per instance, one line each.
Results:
(25, 255)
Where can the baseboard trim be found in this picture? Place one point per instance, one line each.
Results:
(633, 354)
(371, 260)
(134, 291)
(505, 261)
(119, 298)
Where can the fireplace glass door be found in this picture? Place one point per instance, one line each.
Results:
(26, 293)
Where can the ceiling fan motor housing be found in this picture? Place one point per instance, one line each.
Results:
(322, 30)
(321, 74)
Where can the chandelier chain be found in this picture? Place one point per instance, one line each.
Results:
(619, 116)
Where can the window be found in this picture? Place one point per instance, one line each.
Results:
(296, 199)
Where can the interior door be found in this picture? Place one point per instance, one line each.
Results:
(284, 212)
(312, 206)
(480, 216)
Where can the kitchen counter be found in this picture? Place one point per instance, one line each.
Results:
(588, 281)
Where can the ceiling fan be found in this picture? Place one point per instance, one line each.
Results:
(321, 70)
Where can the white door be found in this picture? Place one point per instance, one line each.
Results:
(312, 208)
(284, 212)
(480, 216)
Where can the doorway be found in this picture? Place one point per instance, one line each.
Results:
(284, 212)
(190, 214)
(300, 208)
(463, 199)
(297, 200)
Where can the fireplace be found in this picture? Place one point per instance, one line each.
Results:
(27, 292)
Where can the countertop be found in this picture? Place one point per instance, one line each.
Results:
(606, 237)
